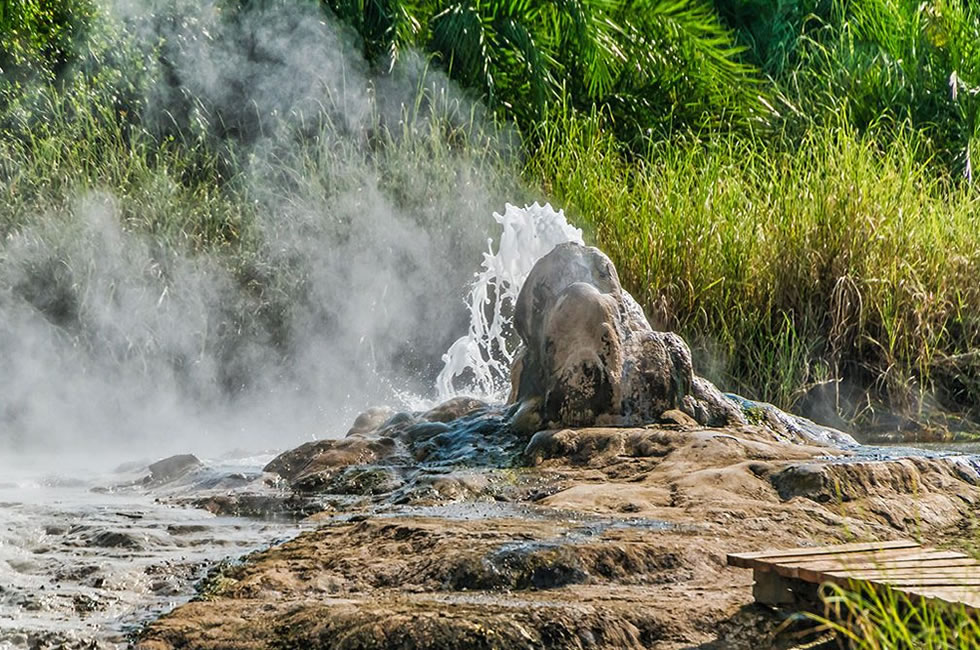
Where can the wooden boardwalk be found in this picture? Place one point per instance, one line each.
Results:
(787, 576)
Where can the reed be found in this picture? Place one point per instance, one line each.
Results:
(877, 619)
(788, 266)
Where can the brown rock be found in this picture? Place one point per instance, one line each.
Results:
(454, 409)
(590, 356)
(172, 468)
(321, 455)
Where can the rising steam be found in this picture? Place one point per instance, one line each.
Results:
(347, 292)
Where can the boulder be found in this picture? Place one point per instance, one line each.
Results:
(331, 456)
(172, 468)
(591, 358)
(460, 432)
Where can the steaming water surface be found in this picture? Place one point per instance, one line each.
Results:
(83, 568)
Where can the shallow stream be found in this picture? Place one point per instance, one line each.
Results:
(84, 567)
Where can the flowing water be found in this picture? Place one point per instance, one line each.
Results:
(83, 564)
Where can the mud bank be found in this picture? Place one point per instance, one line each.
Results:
(589, 538)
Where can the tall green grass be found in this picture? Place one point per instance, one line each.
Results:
(790, 265)
(171, 191)
(866, 618)
(887, 61)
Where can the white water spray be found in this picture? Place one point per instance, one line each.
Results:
(479, 363)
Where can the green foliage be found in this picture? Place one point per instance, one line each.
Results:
(884, 62)
(788, 184)
(788, 268)
(682, 72)
(772, 29)
(652, 64)
(868, 618)
(40, 36)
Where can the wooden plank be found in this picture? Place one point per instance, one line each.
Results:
(941, 581)
(869, 556)
(741, 559)
(787, 565)
(794, 560)
(815, 572)
(969, 596)
(901, 565)
(949, 565)
(925, 570)
(829, 557)
(946, 579)
(813, 567)
(886, 560)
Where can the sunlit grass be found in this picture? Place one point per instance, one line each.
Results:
(789, 265)
(868, 618)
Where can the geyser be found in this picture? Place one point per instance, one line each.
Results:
(589, 356)
(479, 363)
(586, 357)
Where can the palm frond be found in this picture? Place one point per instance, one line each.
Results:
(684, 68)
(536, 62)
(589, 33)
(459, 36)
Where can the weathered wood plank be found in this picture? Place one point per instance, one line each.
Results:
(914, 581)
(835, 560)
(888, 555)
(813, 567)
(815, 571)
(971, 567)
(739, 559)
(941, 581)
(933, 565)
(968, 596)
(902, 565)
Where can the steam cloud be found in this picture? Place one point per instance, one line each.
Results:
(111, 341)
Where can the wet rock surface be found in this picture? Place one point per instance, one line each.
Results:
(591, 538)
(85, 562)
(172, 468)
(589, 357)
(380, 455)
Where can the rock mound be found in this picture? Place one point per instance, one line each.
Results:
(591, 357)
(383, 444)
(172, 468)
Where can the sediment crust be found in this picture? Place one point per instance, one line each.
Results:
(598, 538)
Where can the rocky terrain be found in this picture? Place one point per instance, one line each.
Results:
(595, 510)
(608, 538)
(87, 559)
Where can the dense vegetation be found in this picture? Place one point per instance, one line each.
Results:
(787, 184)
